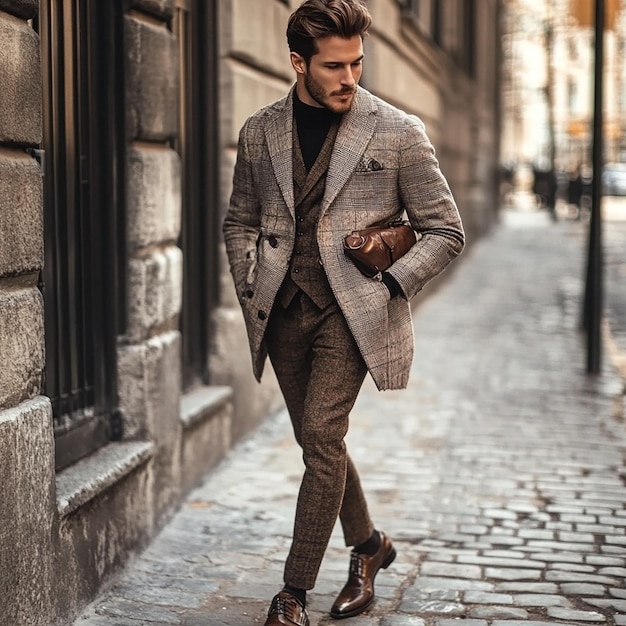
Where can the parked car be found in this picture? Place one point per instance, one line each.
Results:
(614, 179)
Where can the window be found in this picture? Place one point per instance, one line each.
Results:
(454, 30)
(420, 12)
(195, 25)
(467, 60)
(408, 6)
(82, 41)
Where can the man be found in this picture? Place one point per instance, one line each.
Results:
(327, 159)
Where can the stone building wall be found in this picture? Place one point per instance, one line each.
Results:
(63, 534)
(26, 443)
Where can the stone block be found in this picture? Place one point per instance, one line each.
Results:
(155, 291)
(386, 14)
(231, 365)
(20, 77)
(245, 91)
(25, 9)
(154, 195)
(94, 542)
(207, 415)
(21, 345)
(159, 8)
(137, 365)
(21, 214)
(152, 75)
(26, 512)
(398, 80)
(258, 34)
(149, 386)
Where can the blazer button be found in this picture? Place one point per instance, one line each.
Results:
(249, 293)
(272, 241)
(262, 315)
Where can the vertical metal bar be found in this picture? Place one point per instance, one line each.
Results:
(210, 96)
(104, 90)
(83, 338)
(63, 204)
(68, 231)
(197, 144)
(98, 291)
(117, 145)
(594, 283)
(85, 331)
(207, 24)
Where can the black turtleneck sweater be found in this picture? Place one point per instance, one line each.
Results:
(313, 124)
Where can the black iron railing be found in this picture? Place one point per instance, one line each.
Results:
(82, 282)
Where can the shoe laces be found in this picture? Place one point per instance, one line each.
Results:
(285, 605)
(279, 605)
(357, 563)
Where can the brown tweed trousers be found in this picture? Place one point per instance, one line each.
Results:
(323, 324)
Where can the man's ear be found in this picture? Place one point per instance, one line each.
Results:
(297, 62)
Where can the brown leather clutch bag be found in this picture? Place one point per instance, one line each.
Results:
(374, 249)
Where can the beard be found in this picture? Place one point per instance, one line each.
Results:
(317, 92)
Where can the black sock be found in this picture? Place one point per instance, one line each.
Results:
(296, 593)
(370, 546)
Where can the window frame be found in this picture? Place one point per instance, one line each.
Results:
(83, 280)
(196, 28)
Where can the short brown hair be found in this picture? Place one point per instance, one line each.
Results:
(316, 19)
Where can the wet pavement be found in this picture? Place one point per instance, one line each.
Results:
(499, 473)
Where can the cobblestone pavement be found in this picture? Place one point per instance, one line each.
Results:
(499, 473)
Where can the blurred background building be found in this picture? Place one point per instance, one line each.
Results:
(124, 367)
(548, 85)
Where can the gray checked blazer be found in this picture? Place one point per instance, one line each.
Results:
(382, 166)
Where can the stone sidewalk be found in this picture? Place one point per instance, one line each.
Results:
(499, 473)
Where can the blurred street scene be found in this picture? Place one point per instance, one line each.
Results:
(548, 101)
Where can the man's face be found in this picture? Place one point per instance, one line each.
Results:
(331, 77)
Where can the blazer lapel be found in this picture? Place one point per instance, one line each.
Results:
(278, 134)
(355, 132)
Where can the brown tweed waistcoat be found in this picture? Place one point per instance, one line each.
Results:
(305, 267)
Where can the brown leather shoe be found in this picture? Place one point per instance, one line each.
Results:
(286, 610)
(358, 592)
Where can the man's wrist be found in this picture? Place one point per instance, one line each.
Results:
(392, 284)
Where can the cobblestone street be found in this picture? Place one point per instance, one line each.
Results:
(499, 473)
